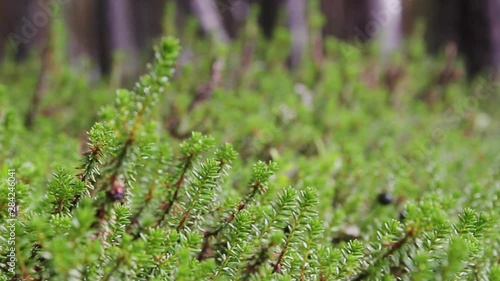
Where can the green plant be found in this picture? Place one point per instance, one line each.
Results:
(153, 201)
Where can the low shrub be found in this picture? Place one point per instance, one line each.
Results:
(329, 176)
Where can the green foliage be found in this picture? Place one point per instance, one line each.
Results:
(176, 183)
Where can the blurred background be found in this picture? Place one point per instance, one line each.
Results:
(98, 29)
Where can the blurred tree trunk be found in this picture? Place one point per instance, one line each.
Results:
(347, 19)
(389, 17)
(120, 20)
(9, 16)
(234, 13)
(413, 11)
(208, 14)
(357, 19)
(148, 21)
(365, 20)
(100, 27)
(494, 18)
(474, 37)
(17, 26)
(472, 26)
(335, 18)
(268, 16)
(85, 30)
(297, 22)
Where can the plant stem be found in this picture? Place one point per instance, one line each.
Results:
(177, 185)
(394, 247)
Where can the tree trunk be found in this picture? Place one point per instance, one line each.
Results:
(19, 28)
(148, 19)
(335, 18)
(472, 26)
(120, 17)
(297, 23)
(208, 15)
(234, 13)
(494, 19)
(348, 19)
(388, 14)
(84, 25)
(268, 16)
(7, 22)
(474, 35)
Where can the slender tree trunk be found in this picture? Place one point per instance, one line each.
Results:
(207, 13)
(84, 24)
(234, 13)
(120, 16)
(472, 26)
(182, 10)
(268, 16)
(494, 19)
(415, 10)
(388, 15)
(148, 16)
(335, 18)
(357, 19)
(348, 19)
(6, 24)
(17, 27)
(297, 23)
(474, 35)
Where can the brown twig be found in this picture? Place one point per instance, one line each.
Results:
(258, 260)
(177, 185)
(242, 205)
(204, 92)
(393, 248)
(135, 218)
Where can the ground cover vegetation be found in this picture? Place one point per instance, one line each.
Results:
(234, 167)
